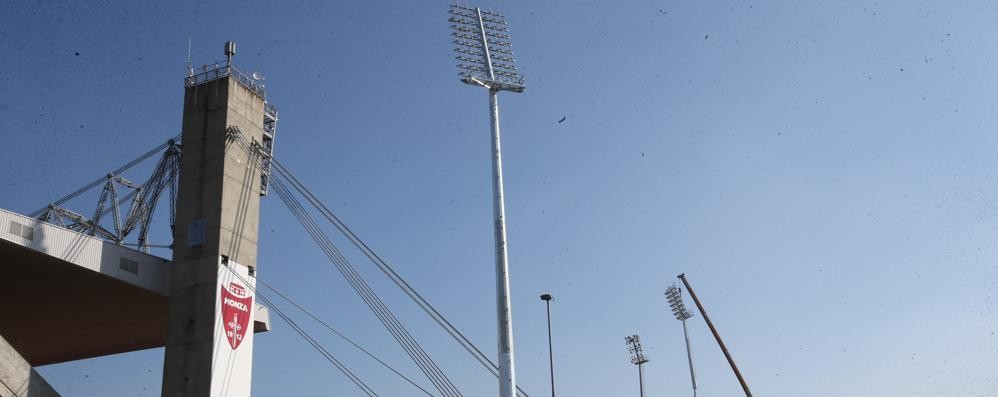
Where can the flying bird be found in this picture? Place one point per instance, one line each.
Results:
(562, 119)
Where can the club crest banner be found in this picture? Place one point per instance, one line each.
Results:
(232, 363)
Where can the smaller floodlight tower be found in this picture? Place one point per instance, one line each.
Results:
(485, 58)
(675, 297)
(637, 358)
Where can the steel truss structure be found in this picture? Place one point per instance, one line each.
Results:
(143, 197)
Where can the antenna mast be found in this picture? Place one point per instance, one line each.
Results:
(190, 66)
(230, 50)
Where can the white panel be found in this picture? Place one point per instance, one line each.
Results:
(152, 272)
(232, 363)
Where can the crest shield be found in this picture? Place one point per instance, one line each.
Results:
(236, 305)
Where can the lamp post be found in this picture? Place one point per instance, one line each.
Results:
(547, 299)
(485, 57)
(674, 295)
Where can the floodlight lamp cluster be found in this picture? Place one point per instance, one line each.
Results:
(674, 295)
(483, 49)
(634, 348)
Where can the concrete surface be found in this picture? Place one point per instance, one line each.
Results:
(17, 378)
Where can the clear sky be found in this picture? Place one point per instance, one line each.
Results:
(823, 171)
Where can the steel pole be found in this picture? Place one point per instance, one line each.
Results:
(641, 379)
(717, 336)
(689, 358)
(550, 348)
(507, 373)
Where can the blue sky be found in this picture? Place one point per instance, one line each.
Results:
(822, 171)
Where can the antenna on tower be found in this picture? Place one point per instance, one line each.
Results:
(637, 358)
(230, 50)
(190, 66)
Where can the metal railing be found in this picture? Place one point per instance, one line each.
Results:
(223, 69)
(269, 110)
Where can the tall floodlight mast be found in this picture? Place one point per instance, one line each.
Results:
(675, 297)
(485, 59)
(637, 358)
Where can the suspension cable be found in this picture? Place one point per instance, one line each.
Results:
(256, 162)
(100, 180)
(391, 323)
(388, 319)
(388, 271)
(341, 335)
(308, 338)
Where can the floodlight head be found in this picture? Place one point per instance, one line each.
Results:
(484, 52)
(674, 296)
(546, 297)
(634, 348)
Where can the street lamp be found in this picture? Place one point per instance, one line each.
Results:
(674, 295)
(546, 297)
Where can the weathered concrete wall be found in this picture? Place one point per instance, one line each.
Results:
(218, 199)
(17, 378)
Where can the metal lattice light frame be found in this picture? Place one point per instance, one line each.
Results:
(634, 348)
(674, 295)
(483, 48)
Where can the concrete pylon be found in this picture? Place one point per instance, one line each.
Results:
(209, 338)
(17, 378)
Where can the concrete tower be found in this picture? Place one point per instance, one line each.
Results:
(209, 342)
